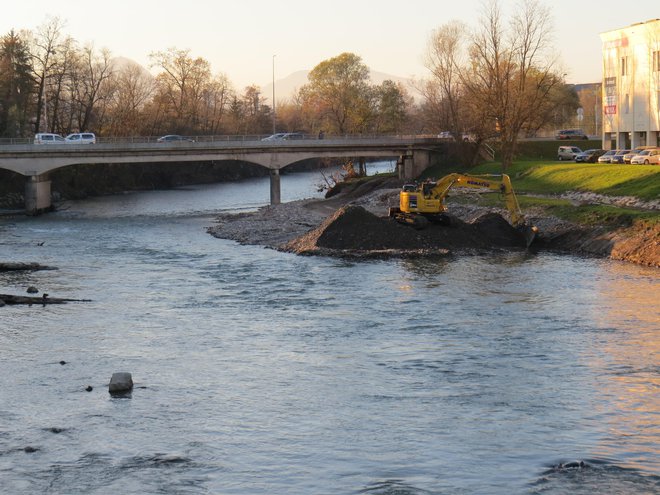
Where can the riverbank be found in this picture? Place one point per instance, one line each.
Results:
(295, 227)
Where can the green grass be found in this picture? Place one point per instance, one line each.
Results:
(552, 177)
(537, 181)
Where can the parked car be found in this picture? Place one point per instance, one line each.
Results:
(48, 138)
(567, 152)
(173, 138)
(627, 158)
(589, 156)
(647, 157)
(571, 134)
(607, 156)
(618, 157)
(81, 138)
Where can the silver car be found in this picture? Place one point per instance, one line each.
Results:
(607, 157)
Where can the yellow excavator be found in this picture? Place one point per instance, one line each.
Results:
(422, 203)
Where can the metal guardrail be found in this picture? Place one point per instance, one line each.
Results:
(228, 138)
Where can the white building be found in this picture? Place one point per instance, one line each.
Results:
(631, 86)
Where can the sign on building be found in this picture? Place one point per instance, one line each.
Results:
(609, 105)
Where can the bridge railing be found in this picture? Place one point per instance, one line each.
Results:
(230, 138)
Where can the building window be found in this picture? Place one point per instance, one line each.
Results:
(656, 61)
(624, 66)
(626, 104)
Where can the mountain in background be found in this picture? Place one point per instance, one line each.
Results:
(285, 88)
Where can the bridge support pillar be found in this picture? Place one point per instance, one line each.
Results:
(421, 161)
(37, 195)
(405, 166)
(275, 197)
(411, 165)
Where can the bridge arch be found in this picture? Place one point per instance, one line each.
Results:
(35, 162)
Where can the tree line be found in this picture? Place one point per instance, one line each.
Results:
(496, 80)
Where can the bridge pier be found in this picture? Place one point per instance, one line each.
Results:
(275, 190)
(412, 164)
(37, 194)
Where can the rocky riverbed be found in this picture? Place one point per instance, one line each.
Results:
(354, 223)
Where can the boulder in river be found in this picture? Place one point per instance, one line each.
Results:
(120, 383)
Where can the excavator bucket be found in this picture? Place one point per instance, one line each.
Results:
(529, 232)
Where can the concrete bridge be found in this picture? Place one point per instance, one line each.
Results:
(35, 162)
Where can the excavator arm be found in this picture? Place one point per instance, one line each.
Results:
(425, 202)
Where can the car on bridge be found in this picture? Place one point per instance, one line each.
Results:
(48, 138)
(81, 138)
(284, 136)
(293, 135)
(173, 138)
(275, 137)
(571, 134)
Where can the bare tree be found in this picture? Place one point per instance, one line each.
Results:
(44, 45)
(445, 60)
(510, 74)
(181, 86)
(94, 88)
(133, 88)
(214, 104)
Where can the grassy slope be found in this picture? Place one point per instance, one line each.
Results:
(538, 172)
(543, 177)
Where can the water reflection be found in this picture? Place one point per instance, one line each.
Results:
(628, 355)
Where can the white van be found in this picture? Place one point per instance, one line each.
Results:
(567, 152)
(81, 138)
(48, 138)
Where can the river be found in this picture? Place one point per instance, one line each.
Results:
(260, 372)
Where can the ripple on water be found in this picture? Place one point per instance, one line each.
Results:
(589, 476)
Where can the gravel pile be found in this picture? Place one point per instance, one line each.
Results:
(354, 230)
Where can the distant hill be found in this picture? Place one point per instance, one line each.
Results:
(286, 87)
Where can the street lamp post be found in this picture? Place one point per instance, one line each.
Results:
(273, 94)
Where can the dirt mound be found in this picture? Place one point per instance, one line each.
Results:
(352, 229)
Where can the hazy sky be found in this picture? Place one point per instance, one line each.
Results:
(240, 37)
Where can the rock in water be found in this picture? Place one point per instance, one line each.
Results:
(120, 383)
(32, 290)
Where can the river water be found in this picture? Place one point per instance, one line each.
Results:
(260, 372)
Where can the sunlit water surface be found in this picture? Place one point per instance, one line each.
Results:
(260, 372)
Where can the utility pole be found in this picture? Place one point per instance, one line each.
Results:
(273, 94)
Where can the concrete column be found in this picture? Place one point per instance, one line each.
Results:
(408, 167)
(275, 197)
(622, 140)
(37, 194)
(421, 161)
